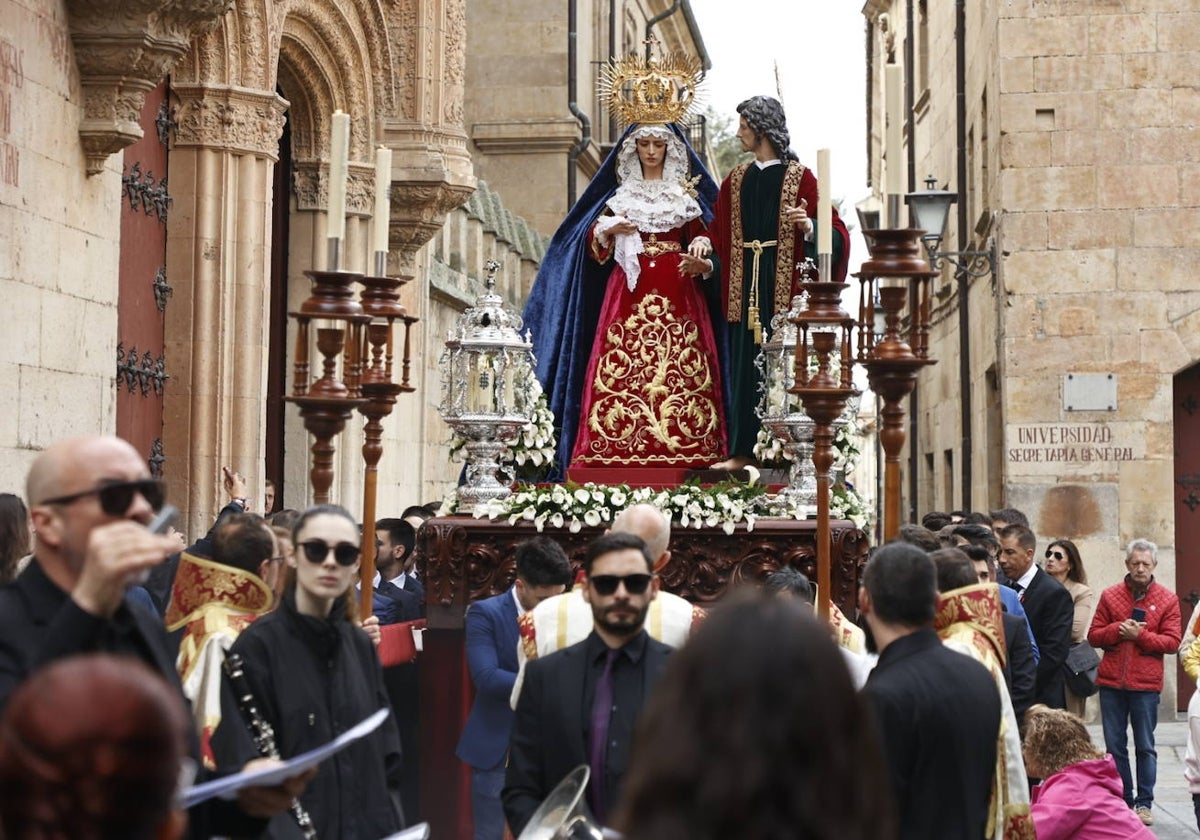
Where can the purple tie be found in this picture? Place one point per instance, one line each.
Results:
(598, 735)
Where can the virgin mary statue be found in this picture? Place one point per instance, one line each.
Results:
(625, 312)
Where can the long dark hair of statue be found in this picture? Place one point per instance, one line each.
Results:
(765, 116)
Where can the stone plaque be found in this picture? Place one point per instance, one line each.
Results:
(1090, 392)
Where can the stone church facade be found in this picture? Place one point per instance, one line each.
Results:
(1074, 155)
(233, 100)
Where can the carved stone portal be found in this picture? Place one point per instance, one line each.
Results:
(123, 49)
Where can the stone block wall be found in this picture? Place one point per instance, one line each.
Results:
(59, 241)
(1097, 111)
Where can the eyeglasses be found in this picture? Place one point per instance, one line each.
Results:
(607, 584)
(1057, 555)
(116, 496)
(344, 554)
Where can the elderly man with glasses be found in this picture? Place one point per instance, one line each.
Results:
(90, 499)
(1137, 622)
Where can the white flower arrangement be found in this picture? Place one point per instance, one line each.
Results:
(844, 502)
(724, 505)
(770, 451)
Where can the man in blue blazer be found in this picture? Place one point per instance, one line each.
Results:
(491, 642)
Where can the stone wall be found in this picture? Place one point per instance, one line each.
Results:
(517, 103)
(1099, 176)
(1082, 169)
(416, 466)
(59, 241)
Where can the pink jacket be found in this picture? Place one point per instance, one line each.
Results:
(1084, 801)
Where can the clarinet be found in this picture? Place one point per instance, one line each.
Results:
(261, 732)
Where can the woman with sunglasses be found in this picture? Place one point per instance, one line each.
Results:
(313, 673)
(1064, 564)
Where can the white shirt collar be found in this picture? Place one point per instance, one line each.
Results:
(517, 601)
(763, 164)
(1025, 579)
(398, 580)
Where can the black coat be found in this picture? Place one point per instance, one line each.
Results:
(939, 717)
(39, 624)
(402, 690)
(313, 679)
(1020, 668)
(548, 734)
(1051, 611)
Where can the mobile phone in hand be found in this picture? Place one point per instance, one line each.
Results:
(163, 520)
(1139, 614)
(160, 524)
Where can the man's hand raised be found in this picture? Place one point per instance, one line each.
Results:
(117, 553)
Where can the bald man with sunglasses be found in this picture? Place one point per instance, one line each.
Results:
(90, 499)
(579, 705)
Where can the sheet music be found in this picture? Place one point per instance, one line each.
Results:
(227, 787)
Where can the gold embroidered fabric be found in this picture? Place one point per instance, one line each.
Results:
(733, 304)
(786, 237)
(786, 258)
(653, 391)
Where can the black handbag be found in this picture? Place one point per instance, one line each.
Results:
(1081, 666)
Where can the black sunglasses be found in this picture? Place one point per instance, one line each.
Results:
(634, 584)
(116, 496)
(1057, 555)
(344, 554)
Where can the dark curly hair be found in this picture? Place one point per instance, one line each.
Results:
(756, 732)
(90, 749)
(765, 117)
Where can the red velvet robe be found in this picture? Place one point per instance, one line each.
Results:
(652, 393)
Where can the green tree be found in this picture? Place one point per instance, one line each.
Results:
(726, 148)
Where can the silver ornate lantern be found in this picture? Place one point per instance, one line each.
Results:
(782, 413)
(485, 366)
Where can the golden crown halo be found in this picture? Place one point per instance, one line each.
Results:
(652, 90)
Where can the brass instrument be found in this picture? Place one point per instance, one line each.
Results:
(565, 815)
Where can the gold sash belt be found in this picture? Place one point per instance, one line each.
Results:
(753, 322)
(653, 248)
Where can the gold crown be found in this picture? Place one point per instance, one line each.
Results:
(653, 90)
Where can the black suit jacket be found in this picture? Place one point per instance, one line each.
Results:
(40, 624)
(1020, 668)
(401, 683)
(408, 604)
(938, 713)
(413, 585)
(549, 730)
(1050, 610)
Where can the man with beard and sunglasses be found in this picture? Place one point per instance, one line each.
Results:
(90, 499)
(579, 705)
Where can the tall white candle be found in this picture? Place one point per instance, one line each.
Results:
(824, 204)
(339, 150)
(894, 144)
(383, 182)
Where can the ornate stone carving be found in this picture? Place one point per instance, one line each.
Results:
(418, 211)
(433, 175)
(310, 185)
(455, 62)
(229, 118)
(123, 49)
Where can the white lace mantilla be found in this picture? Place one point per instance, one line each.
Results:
(654, 206)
